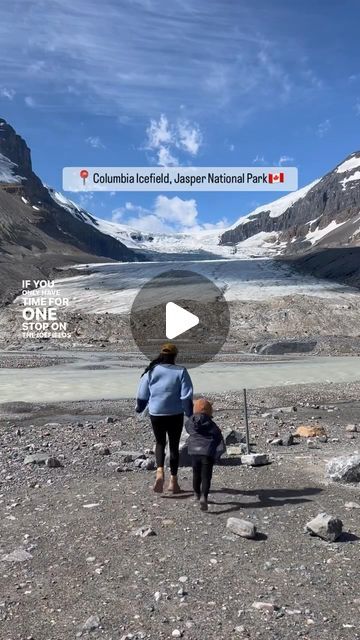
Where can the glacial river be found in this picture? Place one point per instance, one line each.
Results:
(95, 376)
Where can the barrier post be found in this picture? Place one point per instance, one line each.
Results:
(247, 434)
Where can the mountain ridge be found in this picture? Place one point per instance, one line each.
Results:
(310, 215)
(36, 233)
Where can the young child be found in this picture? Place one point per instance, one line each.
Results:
(204, 438)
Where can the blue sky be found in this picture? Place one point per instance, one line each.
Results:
(205, 82)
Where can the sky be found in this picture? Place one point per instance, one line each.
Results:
(197, 83)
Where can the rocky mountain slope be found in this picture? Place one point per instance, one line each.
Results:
(37, 234)
(325, 213)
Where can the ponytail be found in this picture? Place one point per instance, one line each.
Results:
(163, 358)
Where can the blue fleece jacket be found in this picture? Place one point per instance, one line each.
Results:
(168, 390)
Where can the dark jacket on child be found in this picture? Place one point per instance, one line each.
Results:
(204, 435)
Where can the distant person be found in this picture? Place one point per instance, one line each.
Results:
(204, 439)
(166, 389)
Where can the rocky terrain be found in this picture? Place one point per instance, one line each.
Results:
(330, 325)
(87, 550)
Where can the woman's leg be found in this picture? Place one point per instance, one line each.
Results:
(159, 429)
(174, 429)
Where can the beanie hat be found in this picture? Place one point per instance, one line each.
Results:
(202, 405)
(169, 348)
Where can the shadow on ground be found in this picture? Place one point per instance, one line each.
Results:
(265, 498)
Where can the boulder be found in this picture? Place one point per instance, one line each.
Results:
(144, 532)
(242, 528)
(267, 607)
(53, 463)
(310, 431)
(344, 468)
(36, 458)
(351, 428)
(280, 347)
(231, 437)
(325, 527)
(276, 442)
(288, 440)
(255, 459)
(236, 451)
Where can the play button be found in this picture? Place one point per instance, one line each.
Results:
(178, 320)
(184, 306)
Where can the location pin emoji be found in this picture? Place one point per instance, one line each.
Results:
(84, 174)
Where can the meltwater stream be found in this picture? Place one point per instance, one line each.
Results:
(95, 376)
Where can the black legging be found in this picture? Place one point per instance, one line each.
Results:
(202, 474)
(172, 426)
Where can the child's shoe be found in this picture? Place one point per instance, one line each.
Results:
(203, 503)
(196, 497)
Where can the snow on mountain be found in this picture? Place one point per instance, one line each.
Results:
(353, 162)
(355, 176)
(7, 171)
(197, 241)
(279, 206)
(317, 234)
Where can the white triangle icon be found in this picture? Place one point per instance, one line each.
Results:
(178, 320)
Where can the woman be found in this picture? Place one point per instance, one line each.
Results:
(168, 390)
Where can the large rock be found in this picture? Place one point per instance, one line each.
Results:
(184, 456)
(36, 458)
(325, 527)
(255, 459)
(232, 436)
(281, 347)
(243, 528)
(344, 468)
(310, 431)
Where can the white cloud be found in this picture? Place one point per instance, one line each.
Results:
(285, 159)
(105, 60)
(7, 93)
(95, 142)
(165, 158)
(167, 215)
(323, 128)
(30, 102)
(176, 210)
(158, 133)
(259, 159)
(189, 137)
(165, 137)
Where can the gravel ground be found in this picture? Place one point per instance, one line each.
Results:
(193, 579)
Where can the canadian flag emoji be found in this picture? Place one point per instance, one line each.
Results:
(276, 177)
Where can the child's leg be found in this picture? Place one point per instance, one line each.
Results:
(206, 475)
(196, 465)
